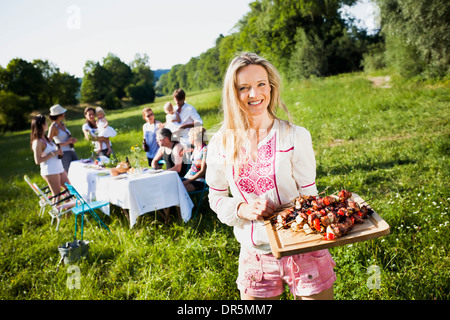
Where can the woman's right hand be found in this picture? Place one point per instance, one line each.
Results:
(256, 210)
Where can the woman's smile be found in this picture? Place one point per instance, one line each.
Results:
(255, 103)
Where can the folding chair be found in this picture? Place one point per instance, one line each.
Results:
(199, 194)
(81, 207)
(55, 209)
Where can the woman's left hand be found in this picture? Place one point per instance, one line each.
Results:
(257, 210)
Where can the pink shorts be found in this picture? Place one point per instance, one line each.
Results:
(264, 276)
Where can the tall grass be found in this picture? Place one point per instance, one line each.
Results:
(389, 145)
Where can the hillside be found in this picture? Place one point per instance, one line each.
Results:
(388, 144)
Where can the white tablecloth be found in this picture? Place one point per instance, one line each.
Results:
(142, 194)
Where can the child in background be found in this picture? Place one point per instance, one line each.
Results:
(104, 129)
(173, 120)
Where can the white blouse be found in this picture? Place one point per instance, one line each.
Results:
(285, 168)
(54, 164)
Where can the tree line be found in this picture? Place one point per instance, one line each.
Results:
(305, 38)
(416, 38)
(302, 38)
(27, 86)
(36, 86)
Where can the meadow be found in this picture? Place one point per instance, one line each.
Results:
(390, 145)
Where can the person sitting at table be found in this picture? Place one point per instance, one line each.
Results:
(195, 177)
(102, 146)
(48, 156)
(149, 129)
(170, 151)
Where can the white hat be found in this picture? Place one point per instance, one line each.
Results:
(56, 110)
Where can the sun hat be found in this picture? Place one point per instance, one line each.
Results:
(56, 110)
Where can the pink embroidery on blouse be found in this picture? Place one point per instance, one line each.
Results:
(258, 177)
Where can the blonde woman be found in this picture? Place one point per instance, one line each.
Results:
(264, 163)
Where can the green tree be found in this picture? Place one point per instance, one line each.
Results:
(69, 88)
(300, 37)
(161, 85)
(14, 111)
(59, 87)
(309, 56)
(141, 90)
(23, 79)
(417, 34)
(120, 74)
(96, 82)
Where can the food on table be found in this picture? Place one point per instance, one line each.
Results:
(122, 167)
(114, 172)
(332, 216)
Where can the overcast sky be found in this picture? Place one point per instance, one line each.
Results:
(70, 32)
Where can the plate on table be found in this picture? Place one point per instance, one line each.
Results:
(153, 170)
(121, 176)
(286, 242)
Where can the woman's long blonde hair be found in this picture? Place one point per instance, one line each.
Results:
(235, 120)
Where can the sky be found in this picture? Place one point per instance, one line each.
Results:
(70, 32)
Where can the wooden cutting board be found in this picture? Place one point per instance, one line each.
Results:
(285, 242)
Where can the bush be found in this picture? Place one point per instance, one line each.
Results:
(14, 111)
(374, 59)
(309, 57)
(111, 102)
(141, 93)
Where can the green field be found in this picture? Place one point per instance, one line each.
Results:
(390, 145)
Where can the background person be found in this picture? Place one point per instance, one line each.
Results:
(102, 146)
(170, 151)
(149, 129)
(104, 129)
(173, 120)
(46, 156)
(195, 177)
(59, 133)
(265, 163)
(188, 115)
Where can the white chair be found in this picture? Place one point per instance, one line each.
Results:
(55, 209)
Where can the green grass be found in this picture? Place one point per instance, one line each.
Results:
(390, 145)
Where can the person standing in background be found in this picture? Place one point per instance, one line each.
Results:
(149, 129)
(188, 115)
(102, 146)
(59, 133)
(47, 156)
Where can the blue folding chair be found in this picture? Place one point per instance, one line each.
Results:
(199, 194)
(81, 207)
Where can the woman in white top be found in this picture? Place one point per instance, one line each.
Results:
(46, 155)
(59, 133)
(264, 163)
